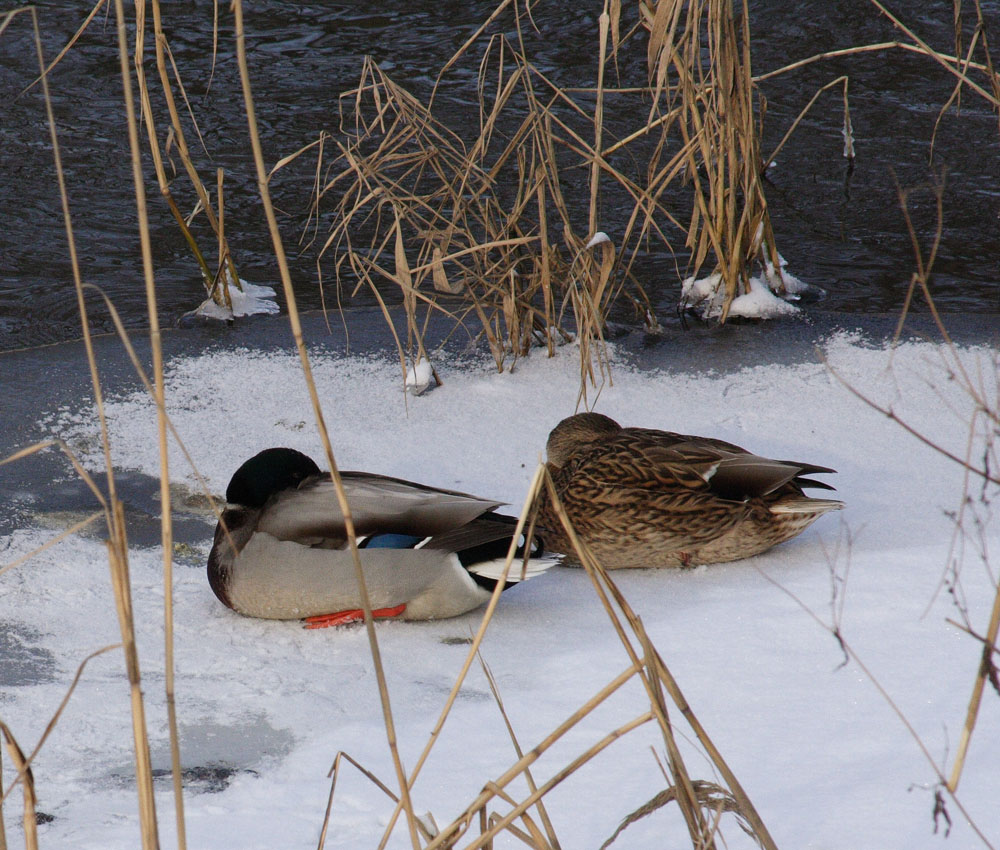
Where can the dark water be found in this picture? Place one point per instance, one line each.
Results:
(839, 230)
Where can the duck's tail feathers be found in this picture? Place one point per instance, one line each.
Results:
(809, 482)
(520, 569)
(805, 505)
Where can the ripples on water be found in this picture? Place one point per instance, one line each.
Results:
(842, 233)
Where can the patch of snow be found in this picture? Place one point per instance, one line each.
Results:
(760, 303)
(817, 747)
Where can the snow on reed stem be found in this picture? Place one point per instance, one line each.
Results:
(293, 316)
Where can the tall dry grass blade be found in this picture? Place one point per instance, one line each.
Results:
(334, 773)
(495, 690)
(532, 755)
(655, 670)
(148, 385)
(73, 459)
(871, 48)
(975, 700)
(166, 526)
(62, 535)
(117, 548)
(603, 28)
(8, 17)
(3, 828)
(293, 316)
(117, 545)
(710, 796)
(471, 655)
(472, 39)
(27, 779)
(649, 674)
(950, 63)
(533, 837)
(73, 40)
(177, 133)
(839, 81)
(184, 97)
(574, 765)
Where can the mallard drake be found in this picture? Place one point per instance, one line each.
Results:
(639, 497)
(281, 552)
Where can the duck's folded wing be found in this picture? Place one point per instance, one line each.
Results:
(696, 464)
(378, 504)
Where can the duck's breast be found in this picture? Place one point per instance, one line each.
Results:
(277, 579)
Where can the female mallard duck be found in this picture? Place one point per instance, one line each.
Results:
(638, 497)
(281, 550)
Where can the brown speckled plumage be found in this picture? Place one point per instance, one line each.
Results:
(645, 498)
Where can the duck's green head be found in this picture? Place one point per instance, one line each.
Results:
(267, 473)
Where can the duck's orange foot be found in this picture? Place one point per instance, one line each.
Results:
(322, 621)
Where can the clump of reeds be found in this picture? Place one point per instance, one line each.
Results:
(489, 228)
(484, 228)
(468, 229)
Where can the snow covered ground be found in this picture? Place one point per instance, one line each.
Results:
(265, 706)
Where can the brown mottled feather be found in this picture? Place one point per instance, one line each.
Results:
(645, 498)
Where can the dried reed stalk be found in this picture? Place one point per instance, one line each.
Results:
(215, 282)
(27, 779)
(3, 828)
(335, 773)
(471, 655)
(296, 326)
(645, 663)
(543, 815)
(211, 280)
(166, 526)
(655, 675)
(23, 773)
(117, 542)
